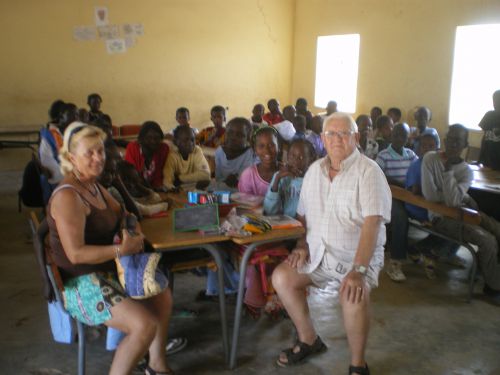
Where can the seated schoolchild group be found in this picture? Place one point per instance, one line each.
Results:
(90, 185)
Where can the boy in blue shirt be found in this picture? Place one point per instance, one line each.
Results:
(299, 123)
(423, 117)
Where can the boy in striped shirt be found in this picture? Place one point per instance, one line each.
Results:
(395, 161)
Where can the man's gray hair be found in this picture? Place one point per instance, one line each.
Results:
(344, 117)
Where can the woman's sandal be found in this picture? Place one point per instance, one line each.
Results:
(359, 370)
(305, 350)
(150, 371)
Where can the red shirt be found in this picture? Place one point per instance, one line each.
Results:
(272, 119)
(154, 174)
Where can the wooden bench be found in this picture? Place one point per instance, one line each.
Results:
(462, 215)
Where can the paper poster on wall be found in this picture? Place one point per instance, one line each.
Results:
(129, 41)
(139, 29)
(118, 38)
(114, 46)
(83, 33)
(133, 29)
(109, 32)
(101, 16)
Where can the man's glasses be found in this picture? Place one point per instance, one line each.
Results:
(342, 134)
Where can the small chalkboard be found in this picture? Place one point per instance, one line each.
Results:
(203, 217)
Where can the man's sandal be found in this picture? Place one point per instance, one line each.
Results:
(150, 371)
(305, 350)
(359, 370)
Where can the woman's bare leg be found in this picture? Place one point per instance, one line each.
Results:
(160, 306)
(139, 325)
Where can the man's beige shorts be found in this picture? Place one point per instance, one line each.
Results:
(331, 271)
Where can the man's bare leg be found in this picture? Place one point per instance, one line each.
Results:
(291, 288)
(357, 326)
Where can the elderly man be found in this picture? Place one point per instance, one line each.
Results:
(344, 203)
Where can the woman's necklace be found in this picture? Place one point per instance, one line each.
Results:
(87, 187)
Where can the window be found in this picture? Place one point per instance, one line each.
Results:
(476, 73)
(337, 60)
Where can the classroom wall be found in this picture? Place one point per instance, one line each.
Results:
(194, 53)
(406, 50)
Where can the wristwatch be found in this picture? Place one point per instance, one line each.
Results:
(359, 268)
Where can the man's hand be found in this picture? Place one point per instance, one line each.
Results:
(354, 285)
(297, 257)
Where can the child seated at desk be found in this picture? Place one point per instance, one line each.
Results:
(257, 120)
(234, 156)
(186, 166)
(299, 124)
(111, 179)
(315, 136)
(283, 194)
(383, 132)
(274, 116)
(432, 247)
(394, 162)
(147, 201)
(148, 154)
(231, 159)
(213, 136)
(182, 118)
(256, 178)
(423, 117)
(367, 145)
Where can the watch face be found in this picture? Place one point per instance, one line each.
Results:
(361, 269)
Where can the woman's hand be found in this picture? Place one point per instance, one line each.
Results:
(131, 244)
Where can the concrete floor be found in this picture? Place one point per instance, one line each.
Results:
(418, 327)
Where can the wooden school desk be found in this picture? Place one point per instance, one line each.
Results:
(252, 242)
(159, 231)
(486, 179)
(18, 137)
(485, 190)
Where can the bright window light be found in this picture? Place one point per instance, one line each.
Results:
(476, 73)
(337, 60)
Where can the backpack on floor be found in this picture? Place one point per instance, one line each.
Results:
(31, 194)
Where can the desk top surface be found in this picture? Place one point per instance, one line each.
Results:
(486, 179)
(159, 231)
(276, 234)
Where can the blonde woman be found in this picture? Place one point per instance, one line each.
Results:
(83, 219)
